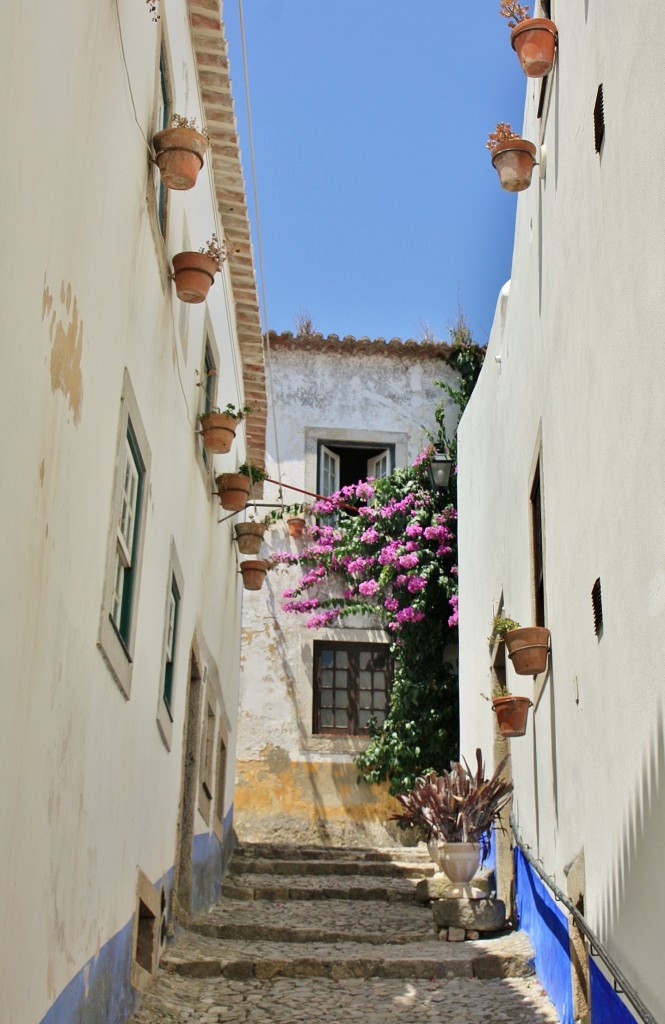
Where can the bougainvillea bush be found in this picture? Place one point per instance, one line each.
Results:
(387, 549)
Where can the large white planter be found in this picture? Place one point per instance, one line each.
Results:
(459, 861)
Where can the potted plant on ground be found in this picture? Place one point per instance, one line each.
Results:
(533, 39)
(254, 572)
(233, 488)
(179, 152)
(249, 536)
(218, 427)
(456, 811)
(527, 646)
(513, 157)
(194, 272)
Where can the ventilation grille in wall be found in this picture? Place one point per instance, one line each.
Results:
(597, 603)
(599, 119)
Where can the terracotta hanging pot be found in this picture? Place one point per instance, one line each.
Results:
(459, 861)
(514, 161)
(179, 155)
(528, 648)
(233, 490)
(534, 41)
(296, 525)
(218, 430)
(511, 714)
(249, 537)
(194, 273)
(253, 573)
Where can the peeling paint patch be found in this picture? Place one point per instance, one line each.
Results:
(66, 334)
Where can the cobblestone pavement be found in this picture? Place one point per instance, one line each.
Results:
(338, 960)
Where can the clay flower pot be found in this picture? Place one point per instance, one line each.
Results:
(233, 490)
(459, 861)
(296, 525)
(253, 573)
(194, 273)
(534, 41)
(514, 161)
(511, 714)
(179, 156)
(249, 537)
(528, 648)
(218, 430)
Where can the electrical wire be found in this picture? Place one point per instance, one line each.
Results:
(129, 82)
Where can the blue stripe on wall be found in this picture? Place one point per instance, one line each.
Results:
(606, 1005)
(547, 928)
(209, 860)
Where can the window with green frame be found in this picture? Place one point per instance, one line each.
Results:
(129, 522)
(170, 637)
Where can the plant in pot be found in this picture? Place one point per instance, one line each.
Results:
(527, 646)
(249, 535)
(513, 157)
(194, 272)
(533, 39)
(456, 811)
(254, 572)
(511, 712)
(233, 488)
(218, 427)
(179, 152)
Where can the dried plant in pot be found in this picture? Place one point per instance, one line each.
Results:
(534, 40)
(194, 272)
(233, 488)
(513, 157)
(179, 152)
(254, 572)
(218, 428)
(456, 811)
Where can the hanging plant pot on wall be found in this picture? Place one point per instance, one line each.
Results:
(249, 537)
(534, 41)
(528, 648)
(511, 714)
(218, 431)
(254, 573)
(296, 525)
(514, 161)
(179, 155)
(233, 490)
(194, 274)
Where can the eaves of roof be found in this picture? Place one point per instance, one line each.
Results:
(394, 348)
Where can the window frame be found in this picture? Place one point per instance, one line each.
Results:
(118, 650)
(353, 650)
(162, 120)
(168, 672)
(325, 449)
(207, 756)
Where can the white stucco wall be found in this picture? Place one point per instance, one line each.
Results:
(91, 793)
(293, 785)
(576, 361)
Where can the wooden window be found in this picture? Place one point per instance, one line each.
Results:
(351, 686)
(206, 761)
(209, 389)
(341, 464)
(127, 532)
(162, 120)
(221, 780)
(170, 645)
(538, 570)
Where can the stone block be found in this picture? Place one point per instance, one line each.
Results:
(456, 935)
(443, 935)
(238, 970)
(472, 936)
(439, 886)
(487, 915)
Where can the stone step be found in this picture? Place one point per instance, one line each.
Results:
(339, 867)
(403, 854)
(319, 887)
(197, 956)
(318, 921)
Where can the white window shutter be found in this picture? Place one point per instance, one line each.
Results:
(328, 472)
(379, 466)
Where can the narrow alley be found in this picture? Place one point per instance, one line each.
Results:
(337, 936)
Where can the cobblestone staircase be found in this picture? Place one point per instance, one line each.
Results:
(336, 936)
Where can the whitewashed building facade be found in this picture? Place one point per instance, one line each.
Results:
(120, 592)
(344, 409)
(561, 489)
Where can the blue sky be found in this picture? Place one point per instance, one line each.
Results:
(379, 206)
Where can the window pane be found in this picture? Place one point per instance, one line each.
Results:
(379, 700)
(327, 679)
(365, 660)
(342, 659)
(327, 699)
(379, 681)
(380, 717)
(326, 719)
(327, 658)
(363, 719)
(341, 720)
(365, 680)
(365, 700)
(340, 699)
